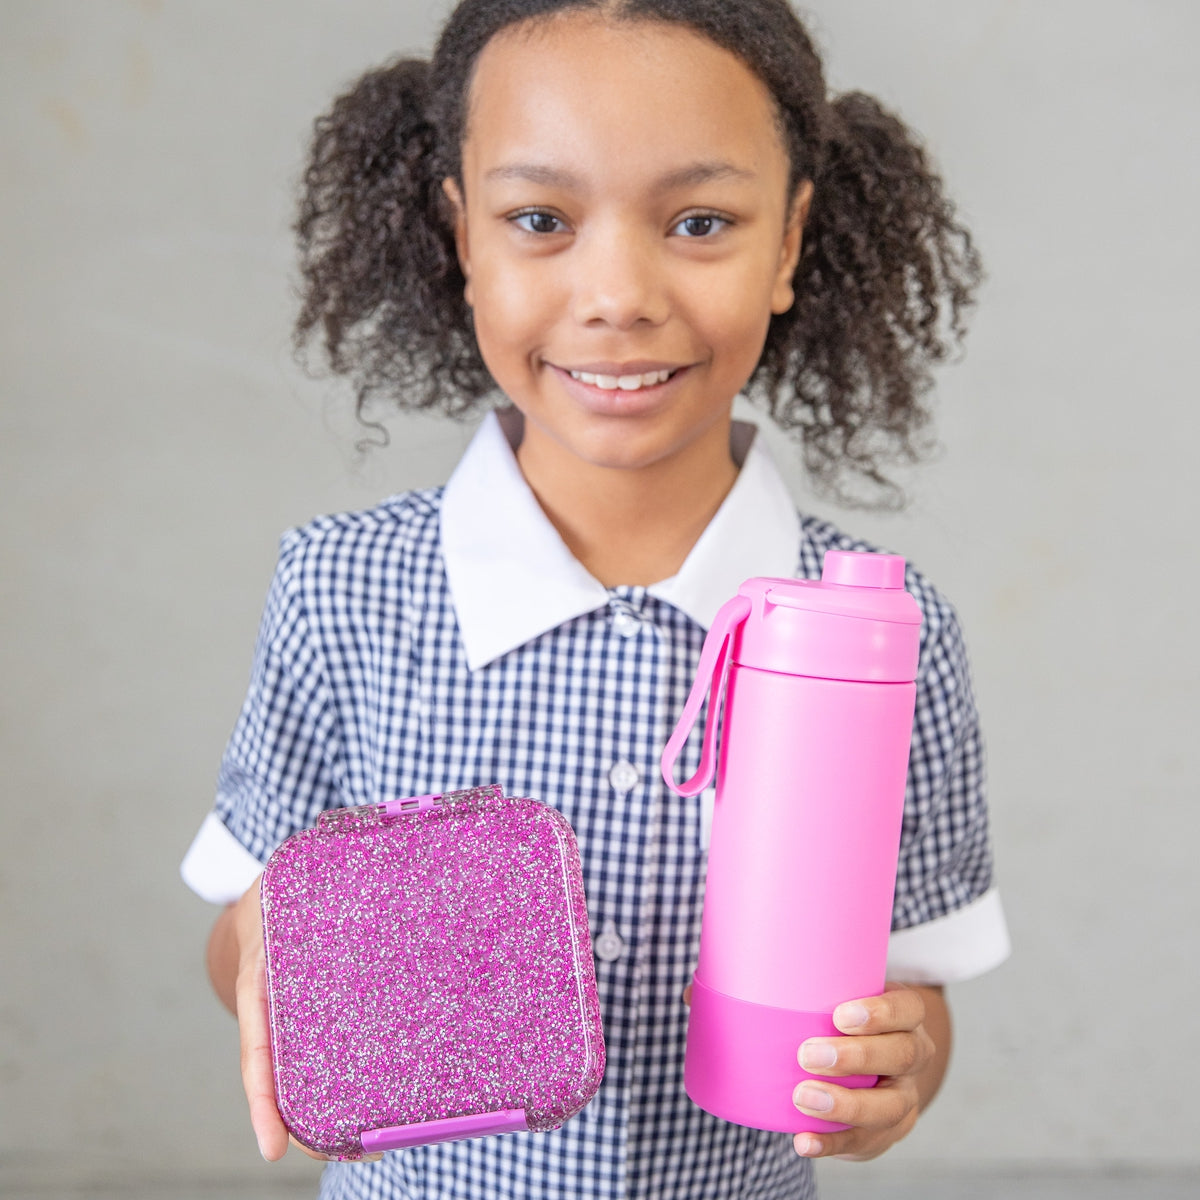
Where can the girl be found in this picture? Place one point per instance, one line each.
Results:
(616, 215)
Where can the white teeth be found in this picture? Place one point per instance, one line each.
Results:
(627, 383)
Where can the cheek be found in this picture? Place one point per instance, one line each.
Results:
(512, 301)
(501, 313)
(736, 322)
(495, 343)
(513, 329)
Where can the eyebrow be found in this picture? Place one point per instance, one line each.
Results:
(554, 177)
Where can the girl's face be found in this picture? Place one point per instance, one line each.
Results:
(625, 222)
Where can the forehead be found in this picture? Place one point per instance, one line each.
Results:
(638, 92)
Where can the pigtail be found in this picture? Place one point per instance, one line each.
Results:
(381, 286)
(882, 288)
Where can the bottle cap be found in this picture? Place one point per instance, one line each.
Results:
(856, 623)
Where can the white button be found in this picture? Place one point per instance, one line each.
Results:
(623, 777)
(609, 946)
(625, 623)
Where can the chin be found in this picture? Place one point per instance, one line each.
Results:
(623, 450)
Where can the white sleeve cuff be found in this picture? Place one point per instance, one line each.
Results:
(217, 867)
(950, 949)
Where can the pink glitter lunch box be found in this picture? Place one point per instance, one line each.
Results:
(429, 973)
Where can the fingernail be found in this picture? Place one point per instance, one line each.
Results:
(815, 1055)
(262, 1151)
(814, 1099)
(850, 1016)
(807, 1145)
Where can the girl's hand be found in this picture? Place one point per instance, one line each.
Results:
(901, 1036)
(238, 966)
(250, 1005)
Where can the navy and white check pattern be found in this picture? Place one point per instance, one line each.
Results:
(361, 693)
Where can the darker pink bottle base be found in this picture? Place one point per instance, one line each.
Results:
(742, 1064)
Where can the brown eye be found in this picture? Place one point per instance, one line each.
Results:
(538, 222)
(701, 225)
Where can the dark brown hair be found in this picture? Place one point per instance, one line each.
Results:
(885, 278)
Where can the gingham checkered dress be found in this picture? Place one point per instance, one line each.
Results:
(361, 693)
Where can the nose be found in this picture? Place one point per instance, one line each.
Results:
(619, 281)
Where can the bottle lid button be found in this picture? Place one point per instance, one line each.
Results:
(855, 569)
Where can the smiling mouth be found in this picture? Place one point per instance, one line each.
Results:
(624, 383)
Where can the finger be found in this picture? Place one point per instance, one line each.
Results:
(367, 1158)
(873, 1054)
(857, 1144)
(899, 1009)
(687, 995)
(846, 1145)
(884, 1107)
(309, 1150)
(852, 1145)
(258, 1074)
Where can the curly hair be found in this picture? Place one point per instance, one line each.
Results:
(885, 277)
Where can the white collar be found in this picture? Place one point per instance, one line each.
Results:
(512, 577)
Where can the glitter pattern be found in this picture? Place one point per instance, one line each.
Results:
(429, 964)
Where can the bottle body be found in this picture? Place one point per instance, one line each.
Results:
(801, 876)
(819, 681)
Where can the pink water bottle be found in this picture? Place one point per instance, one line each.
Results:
(806, 823)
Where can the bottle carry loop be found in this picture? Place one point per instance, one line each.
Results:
(714, 658)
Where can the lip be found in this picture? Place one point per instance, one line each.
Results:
(641, 366)
(606, 402)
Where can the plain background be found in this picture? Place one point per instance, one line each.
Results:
(157, 438)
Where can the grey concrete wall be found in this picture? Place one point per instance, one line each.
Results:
(156, 437)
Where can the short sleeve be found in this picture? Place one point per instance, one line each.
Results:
(947, 922)
(282, 765)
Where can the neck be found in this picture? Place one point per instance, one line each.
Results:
(633, 525)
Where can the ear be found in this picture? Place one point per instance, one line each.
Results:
(459, 205)
(783, 296)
